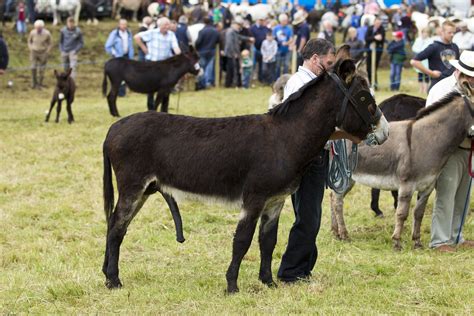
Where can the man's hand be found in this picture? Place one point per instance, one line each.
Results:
(2, 71)
(252, 40)
(378, 37)
(435, 74)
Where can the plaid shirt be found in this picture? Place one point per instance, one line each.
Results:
(159, 46)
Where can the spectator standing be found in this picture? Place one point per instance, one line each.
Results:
(70, 43)
(422, 42)
(303, 34)
(269, 51)
(119, 45)
(259, 31)
(453, 183)
(21, 18)
(328, 32)
(40, 43)
(439, 53)
(182, 34)
(283, 35)
(396, 50)
(232, 52)
(464, 39)
(375, 34)
(147, 24)
(357, 46)
(206, 43)
(3, 55)
(246, 68)
(158, 44)
(30, 9)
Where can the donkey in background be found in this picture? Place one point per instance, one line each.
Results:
(201, 157)
(148, 77)
(65, 90)
(411, 160)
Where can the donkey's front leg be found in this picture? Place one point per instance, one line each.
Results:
(58, 110)
(267, 240)
(337, 202)
(70, 116)
(418, 214)
(241, 243)
(404, 198)
(53, 102)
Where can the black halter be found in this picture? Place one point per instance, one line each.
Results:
(360, 102)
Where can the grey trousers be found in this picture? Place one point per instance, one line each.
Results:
(452, 188)
(69, 60)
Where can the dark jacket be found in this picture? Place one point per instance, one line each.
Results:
(207, 40)
(397, 51)
(70, 40)
(259, 33)
(370, 37)
(182, 36)
(3, 54)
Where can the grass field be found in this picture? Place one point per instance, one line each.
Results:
(52, 227)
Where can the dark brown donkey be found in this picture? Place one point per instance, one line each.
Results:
(148, 77)
(396, 108)
(252, 161)
(64, 90)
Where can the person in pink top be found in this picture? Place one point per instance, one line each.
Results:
(21, 18)
(371, 7)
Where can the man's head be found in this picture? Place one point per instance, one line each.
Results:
(465, 67)
(237, 23)
(318, 55)
(352, 32)
(70, 23)
(147, 21)
(39, 25)
(122, 25)
(283, 19)
(463, 26)
(327, 26)
(173, 26)
(448, 29)
(269, 35)
(163, 24)
(377, 23)
(183, 19)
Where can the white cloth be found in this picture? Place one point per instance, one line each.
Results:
(299, 79)
(465, 41)
(124, 36)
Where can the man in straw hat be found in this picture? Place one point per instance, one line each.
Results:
(303, 33)
(454, 183)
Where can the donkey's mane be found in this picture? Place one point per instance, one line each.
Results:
(282, 108)
(437, 105)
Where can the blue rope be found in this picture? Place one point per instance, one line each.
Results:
(464, 214)
(341, 166)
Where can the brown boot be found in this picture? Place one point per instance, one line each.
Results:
(445, 248)
(467, 244)
(34, 84)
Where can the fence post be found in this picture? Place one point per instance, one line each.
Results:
(373, 63)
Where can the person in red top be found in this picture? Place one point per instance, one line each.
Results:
(21, 18)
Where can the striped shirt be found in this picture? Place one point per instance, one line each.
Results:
(299, 79)
(159, 46)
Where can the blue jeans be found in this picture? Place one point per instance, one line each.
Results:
(282, 61)
(257, 63)
(301, 252)
(246, 77)
(395, 76)
(206, 61)
(21, 27)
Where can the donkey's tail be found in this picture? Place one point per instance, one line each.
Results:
(108, 187)
(104, 84)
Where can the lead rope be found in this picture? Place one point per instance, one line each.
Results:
(341, 166)
(466, 203)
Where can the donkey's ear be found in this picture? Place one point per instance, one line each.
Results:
(68, 72)
(346, 70)
(466, 88)
(361, 63)
(343, 53)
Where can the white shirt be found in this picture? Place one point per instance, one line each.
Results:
(441, 89)
(299, 79)
(464, 40)
(124, 36)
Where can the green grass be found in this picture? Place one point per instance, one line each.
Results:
(52, 228)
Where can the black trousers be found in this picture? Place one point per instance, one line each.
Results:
(232, 74)
(378, 57)
(301, 252)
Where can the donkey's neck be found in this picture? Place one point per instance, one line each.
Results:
(180, 68)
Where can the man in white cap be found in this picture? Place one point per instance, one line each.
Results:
(454, 182)
(464, 39)
(40, 43)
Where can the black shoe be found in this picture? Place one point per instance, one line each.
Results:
(303, 279)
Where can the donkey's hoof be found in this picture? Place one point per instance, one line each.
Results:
(418, 245)
(269, 282)
(397, 246)
(379, 215)
(113, 284)
(232, 290)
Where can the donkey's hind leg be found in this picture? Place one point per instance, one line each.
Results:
(70, 116)
(178, 223)
(404, 198)
(53, 102)
(242, 239)
(112, 99)
(267, 239)
(374, 203)
(418, 214)
(127, 207)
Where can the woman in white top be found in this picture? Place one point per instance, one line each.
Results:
(421, 42)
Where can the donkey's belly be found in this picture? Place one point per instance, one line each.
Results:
(383, 182)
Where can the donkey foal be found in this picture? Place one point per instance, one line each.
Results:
(64, 90)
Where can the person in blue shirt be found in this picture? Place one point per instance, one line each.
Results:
(283, 35)
(259, 32)
(119, 44)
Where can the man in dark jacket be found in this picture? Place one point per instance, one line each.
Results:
(182, 34)
(259, 32)
(206, 43)
(439, 54)
(375, 33)
(3, 55)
